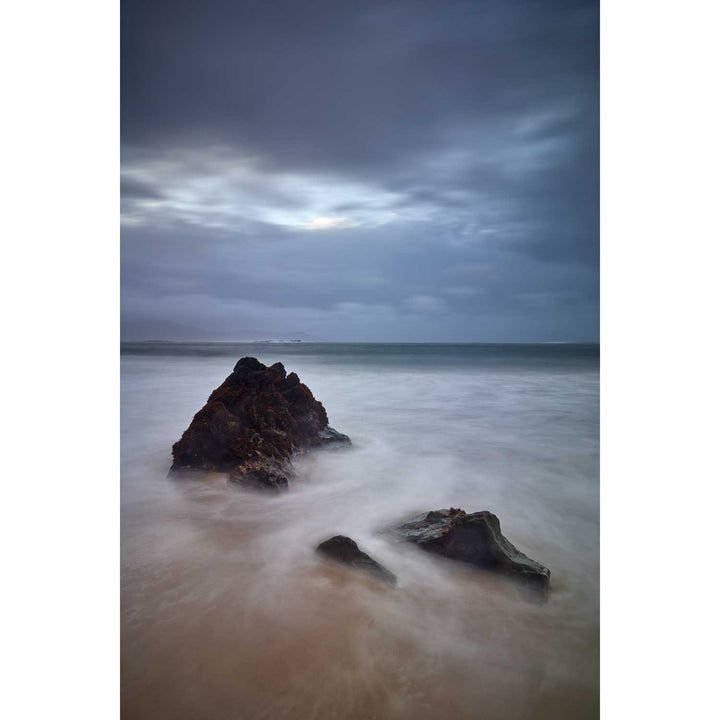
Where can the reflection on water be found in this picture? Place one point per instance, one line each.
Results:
(227, 611)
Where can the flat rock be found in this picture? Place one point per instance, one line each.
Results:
(252, 424)
(345, 550)
(473, 538)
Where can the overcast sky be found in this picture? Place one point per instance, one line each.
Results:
(382, 171)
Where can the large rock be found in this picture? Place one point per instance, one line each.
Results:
(473, 538)
(251, 425)
(345, 550)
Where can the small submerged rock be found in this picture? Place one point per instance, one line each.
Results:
(473, 538)
(252, 424)
(345, 550)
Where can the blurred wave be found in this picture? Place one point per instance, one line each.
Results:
(228, 613)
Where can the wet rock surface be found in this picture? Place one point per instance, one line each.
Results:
(263, 474)
(252, 424)
(473, 538)
(345, 550)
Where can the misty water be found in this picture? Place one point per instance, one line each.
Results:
(228, 613)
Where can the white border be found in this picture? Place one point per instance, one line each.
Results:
(60, 295)
(659, 387)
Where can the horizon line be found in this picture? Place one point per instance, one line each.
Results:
(365, 342)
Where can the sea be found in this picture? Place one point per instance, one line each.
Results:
(227, 612)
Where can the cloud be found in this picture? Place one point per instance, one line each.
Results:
(365, 170)
(222, 188)
(324, 223)
(425, 304)
(462, 291)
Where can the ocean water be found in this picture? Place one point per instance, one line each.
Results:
(227, 612)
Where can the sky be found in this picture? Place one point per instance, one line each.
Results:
(395, 171)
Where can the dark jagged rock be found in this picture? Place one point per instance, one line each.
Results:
(330, 436)
(251, 425)
(473, 538)
(345, 550)
(263, 474)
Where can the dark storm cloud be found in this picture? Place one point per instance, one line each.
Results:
(361, 170)
(133, 190)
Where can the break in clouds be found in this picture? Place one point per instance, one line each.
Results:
(410, 171)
